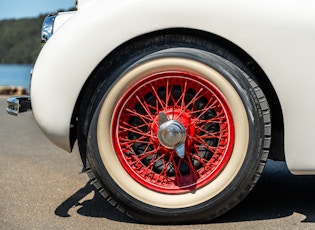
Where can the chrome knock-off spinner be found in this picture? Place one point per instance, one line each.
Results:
(172, 134)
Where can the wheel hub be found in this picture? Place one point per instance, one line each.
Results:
(172, 134)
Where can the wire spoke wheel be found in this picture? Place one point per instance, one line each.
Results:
(193, 103)
(176, 135)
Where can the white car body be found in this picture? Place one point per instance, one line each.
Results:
(278, 35)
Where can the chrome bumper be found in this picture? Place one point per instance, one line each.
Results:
(18, 105)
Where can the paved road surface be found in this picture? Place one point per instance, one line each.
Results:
(41, 188)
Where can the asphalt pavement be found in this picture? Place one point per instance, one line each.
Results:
(41, 187)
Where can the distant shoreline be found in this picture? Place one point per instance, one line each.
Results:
(13, 90)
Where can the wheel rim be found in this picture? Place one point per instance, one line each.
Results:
(186, 100)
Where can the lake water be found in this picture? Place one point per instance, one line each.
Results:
(15, 75)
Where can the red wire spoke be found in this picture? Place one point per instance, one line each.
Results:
(163, 173)
(197, 157)
(209, 135)
(203, 144)
(210, 105)
(135, 130)
(192, 169)
(149, 168)
(181, 98)
(196, 97)
(127, 143)
(145, 154)
(144, 106)
(178, 175)
(145, 118)
(162, 103)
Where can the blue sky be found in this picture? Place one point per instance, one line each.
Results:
(16, 9)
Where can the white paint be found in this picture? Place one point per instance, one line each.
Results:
(279, 35)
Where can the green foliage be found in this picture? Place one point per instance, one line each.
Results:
(20, 40)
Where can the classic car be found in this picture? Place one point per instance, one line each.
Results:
(177, 105)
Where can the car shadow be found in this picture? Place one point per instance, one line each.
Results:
(95, 207)
(277, 194)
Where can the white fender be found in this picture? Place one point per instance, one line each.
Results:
(279, 35)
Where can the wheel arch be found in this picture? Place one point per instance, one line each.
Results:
(256, 72)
